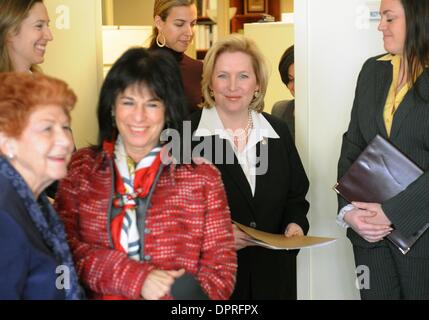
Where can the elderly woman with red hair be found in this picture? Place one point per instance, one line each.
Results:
(35, 148)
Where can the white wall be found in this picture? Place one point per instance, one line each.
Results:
(75, 56)
(332, 40)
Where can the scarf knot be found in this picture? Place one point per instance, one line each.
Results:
(133, 181)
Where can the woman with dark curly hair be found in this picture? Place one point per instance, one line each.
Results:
(136, 221)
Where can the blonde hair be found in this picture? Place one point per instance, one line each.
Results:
(235, 43)
(12, 13)
(162, 8)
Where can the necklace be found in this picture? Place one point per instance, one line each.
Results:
(240, 140)
(249, 126)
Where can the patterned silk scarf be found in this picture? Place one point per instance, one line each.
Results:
(48, 224)
(132, 181)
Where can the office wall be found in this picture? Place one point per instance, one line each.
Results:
(133, 12)
(75, 56)
(272, 47)
(332, 40)
(286, 5)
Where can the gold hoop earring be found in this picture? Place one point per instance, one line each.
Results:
(164, 42)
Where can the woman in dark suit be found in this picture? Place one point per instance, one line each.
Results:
(263, 175)
(285, 109)
(35, 148)
(392, 100)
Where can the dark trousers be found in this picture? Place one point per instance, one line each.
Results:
(265, 274)
(392, 275)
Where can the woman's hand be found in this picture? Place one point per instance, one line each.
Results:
(159, 282)
(379, 218)
(292, 230)
(241, 239)
(369, 221)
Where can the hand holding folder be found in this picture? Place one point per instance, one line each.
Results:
(279, 241)
(379, 173)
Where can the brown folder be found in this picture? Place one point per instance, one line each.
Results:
(379, 173)
(279, 241)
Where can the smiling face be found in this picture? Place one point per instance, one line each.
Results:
(27, 45)
(43, 150)
(233, 82)
(178, 28)
(140, 118)
(393, 26)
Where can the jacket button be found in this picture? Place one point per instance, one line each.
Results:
(147, 258)
(147, 231)
(253, 224)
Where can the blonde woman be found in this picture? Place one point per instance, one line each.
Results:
(269, 195)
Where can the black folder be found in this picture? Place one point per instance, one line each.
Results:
(379, 173)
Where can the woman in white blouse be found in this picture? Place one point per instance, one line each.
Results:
(260, 166)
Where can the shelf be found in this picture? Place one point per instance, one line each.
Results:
(206, 29)
(205, 20)
(240, 18)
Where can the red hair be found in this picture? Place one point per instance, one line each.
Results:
(22, 93)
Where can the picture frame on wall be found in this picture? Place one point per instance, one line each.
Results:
(255, 6)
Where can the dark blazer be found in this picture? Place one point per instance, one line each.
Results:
(279, 200)
(409, 210)
(27, 266)
(285, 110)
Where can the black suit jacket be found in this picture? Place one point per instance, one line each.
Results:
(285, 110)
(409, 210)
(279, 200)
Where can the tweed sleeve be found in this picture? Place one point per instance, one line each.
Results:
(218, 262)
(102, 269)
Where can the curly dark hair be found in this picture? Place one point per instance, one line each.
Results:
(156, 69)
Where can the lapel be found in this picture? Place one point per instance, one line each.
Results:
(403, 109)
(409, 103)
(233, 170)
(383, 82)
(262, 173)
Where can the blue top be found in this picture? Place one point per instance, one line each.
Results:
(35, 260)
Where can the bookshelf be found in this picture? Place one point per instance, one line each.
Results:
(242, 16)
(208, 30)
(205, 35)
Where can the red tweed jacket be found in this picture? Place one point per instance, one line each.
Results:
(188, 226)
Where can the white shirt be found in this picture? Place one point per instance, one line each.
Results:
(211, 124)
